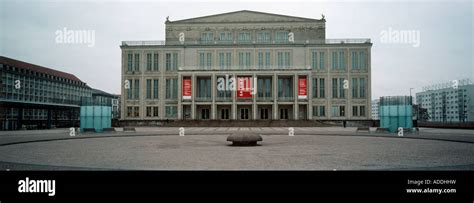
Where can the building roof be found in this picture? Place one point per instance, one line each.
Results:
(246, 16)
(37, 68)
(100, 92)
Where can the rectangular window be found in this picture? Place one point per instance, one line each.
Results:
(155, 111)
(314, 61)
(244, 37)
(204, 88)
(130, 62)
(342, 60)
(284, 60)
(136, 86)
(338, 111)
(156, 62)
(362, 60)
(322, 62)
(322, 111)
(334, 88)
(204, 114)
(322, 90)
(334, 60)
(281, 37)
(263, 113)
(148, 111)
(130, 89)
(342, 92)
(362, 111)
(148, 62)
(263, 37)
(148, 89)
(244, 60)
(355, 60)
(355, 88)
(171, 111)
(171, 61)
(226, 37)
(129, 111)
(155, 89)
(221, 60)
(285, 88)
(355, 111)
(283, 113)
(207, 37)
(264, 88)
(315, 88)
(137, 62)
(362, 88)
(171, 88)
(136, 111)
(225, 114)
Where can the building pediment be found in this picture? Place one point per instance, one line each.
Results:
(245, 16)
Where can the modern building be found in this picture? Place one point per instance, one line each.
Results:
(32, 96)
(206, 67)
(375, 109)
(448, 103)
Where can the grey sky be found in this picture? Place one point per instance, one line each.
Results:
(27, 33)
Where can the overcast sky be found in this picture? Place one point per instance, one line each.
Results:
(446, 29)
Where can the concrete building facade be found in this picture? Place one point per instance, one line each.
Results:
(207, 65)
(447, 103)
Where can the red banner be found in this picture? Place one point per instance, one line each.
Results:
(186, 88)
(244, 87)
(302, 88)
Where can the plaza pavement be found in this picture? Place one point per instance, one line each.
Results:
(206, 148)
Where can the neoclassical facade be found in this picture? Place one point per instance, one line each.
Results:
(296, 72)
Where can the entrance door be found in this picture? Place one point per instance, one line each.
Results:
(302, 112)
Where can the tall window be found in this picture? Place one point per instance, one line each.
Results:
(322, 90)
(334, 88)
(284, 60)
(148, 89)
(225, 60)
(130, 89)
(130, 62)
(263, 37)
(204, 88)
(315, 88)
(148, 111)
(358, 60)
(322, 61)
(136, 86)
(205, 60)
(264, 87)
(156, 62)
(362, 87)
(245, 59)
(263, 59)
(314, 61)
(155, 111)
(171, 61)
(355, 87)
(285, 88)
(342, 60)
(155, 89)
(171, 88)
(137, 62)
(222, 93)
(148, 62)
(341, 88)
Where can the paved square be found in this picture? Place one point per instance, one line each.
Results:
(206, 148)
